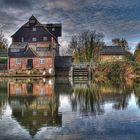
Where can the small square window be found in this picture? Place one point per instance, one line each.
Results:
(45, 38)
(42, 91)
(34, 39)
(53, 29)
(18, 61)
(34, 29)
(42, 61)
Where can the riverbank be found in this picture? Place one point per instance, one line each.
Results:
(116, 70)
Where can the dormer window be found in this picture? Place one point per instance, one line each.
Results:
(45, 38)
(53, 29)
(34, 39)
(22, 39)
(15, 50)
(34, 29)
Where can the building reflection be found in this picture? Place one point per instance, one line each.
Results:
(28, 88)
(34, 104)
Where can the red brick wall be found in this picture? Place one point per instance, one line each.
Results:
(49, 63)
(47, 89)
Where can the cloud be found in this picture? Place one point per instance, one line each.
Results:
(16, 3)
(115, 18)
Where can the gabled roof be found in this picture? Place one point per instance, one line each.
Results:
(16, 54)
(47, 27)
(29, 53)
(32, 18)
(112, 50)
(24, 51)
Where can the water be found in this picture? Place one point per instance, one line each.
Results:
(57, 109)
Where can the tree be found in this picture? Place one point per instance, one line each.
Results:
(85, 47)
(3, 41)
(120, 43)
(137, 53)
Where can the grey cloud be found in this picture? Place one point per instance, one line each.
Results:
(115, 18)
(16, 3)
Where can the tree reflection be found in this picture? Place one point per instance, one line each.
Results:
(3, 97)
(137, 91)
(117, 92)
(90, 98)
(86, 100)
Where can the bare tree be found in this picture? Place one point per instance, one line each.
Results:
(3, 41)
(85, 47)
(120, 43)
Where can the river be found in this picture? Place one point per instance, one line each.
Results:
(61, 109)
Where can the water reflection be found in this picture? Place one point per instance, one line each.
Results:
(90, 98)
(34, 104)
(44, 103)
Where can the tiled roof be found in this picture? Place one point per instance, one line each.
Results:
(18, 45)
(16, 54)
(112, 50)
(29, 53)
(23, 51)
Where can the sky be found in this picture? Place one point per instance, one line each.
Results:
(114, 18)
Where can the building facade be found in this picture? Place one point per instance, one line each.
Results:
(34, 47)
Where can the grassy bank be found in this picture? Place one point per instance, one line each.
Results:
(116, 70)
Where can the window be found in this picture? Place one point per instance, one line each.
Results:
(18, 91)
(22, 39)
(42, 49)
(15, 50)
(42, 91)
(34, 29)
(42, 61)
(45, 38)
(34, 39)
(18, 61)
(53, 29)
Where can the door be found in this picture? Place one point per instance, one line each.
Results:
(29, 64)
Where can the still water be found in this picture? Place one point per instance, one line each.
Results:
(57, 109)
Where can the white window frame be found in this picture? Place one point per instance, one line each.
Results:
(34, 29)
(34, 39)
(42, 61)
(45, 38)
(18, 61)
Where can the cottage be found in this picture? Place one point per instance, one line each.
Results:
(34, 47)
(112, 53)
